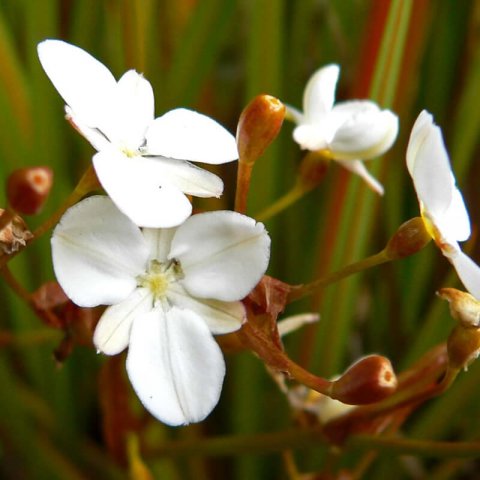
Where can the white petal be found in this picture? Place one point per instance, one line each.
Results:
(430, 168)
(319, 93)
(188, 178)
(133, 111)
(112, 332)
(96, 138)
(139, 189)
(187, 135)
(364, 130)
(85, 84)
(222, 254)
(420, 130)
(221, 317)
(310, 137)
(454, 224)
(175, 366)
(468, 271)
(97, 253)
(159, 241)
(357, 167)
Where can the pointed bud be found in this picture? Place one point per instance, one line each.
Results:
(14, 233)
(312, 170)
(463, 346)
(258, 126)
(463, 307)
(28, 189)
(410, 238)
(368, 380)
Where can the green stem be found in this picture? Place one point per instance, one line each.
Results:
(295, 194)
(27, 339)
(366, 263)
(234, 445)
(403, 446)
(15, 286)
(87, 183)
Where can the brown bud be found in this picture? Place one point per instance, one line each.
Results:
(464, 307)
(14, 233)
(28, 189)
(410, 238)
(368, 380)
(463, 346)
(258, 126)
(312, 170)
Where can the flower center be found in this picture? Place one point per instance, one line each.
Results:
(159, 276)
(130, 153)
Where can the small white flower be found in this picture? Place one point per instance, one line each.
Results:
(347, 132)
(441, 203)
(142, 162)
(169, 291)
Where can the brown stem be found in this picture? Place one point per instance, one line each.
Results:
(244, 175)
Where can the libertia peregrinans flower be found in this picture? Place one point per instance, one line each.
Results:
(347, 132)
(142, 162)
(169, 290)
(441, 203)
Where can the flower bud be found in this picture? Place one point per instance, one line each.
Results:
(463, 346)
(463, 307)
(258, 126)
(28, 189)
(410, 238)
(14, 233)
(368, 380)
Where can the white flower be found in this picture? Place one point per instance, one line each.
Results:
(142, 162)
(169, 291)
(347, 132)
(441, 203)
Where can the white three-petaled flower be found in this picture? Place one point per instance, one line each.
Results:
(347, 132)
(142, 162)
(169, 291)
(441, 203)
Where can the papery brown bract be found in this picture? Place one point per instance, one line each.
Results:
(56, 310)
(14, 233)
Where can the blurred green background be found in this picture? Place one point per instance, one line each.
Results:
(64, 422)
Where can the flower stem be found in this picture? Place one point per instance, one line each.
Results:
(309, 288)
(403, 446)
(300, 438)
(15, 286)
(293, 195)
(27, 339)
(87, 183)
(244, 175)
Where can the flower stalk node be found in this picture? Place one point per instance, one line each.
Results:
(368, 380)
(410, 238)
(312, 169)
